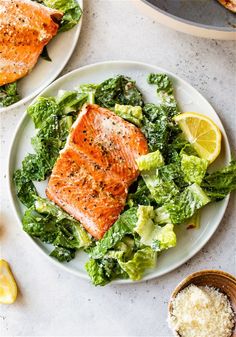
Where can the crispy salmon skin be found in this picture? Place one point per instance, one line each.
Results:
(91, 177)
(25, 28)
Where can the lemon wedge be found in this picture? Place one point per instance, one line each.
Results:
(8, 288)
(202, 133)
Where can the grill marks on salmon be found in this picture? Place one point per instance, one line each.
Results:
(91, 177)
(25, 28)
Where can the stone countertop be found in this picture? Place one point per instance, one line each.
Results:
(53, 302)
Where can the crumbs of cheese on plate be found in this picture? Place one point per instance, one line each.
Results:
(201, 312)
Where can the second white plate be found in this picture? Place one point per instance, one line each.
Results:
(189, 242)
(60, 50)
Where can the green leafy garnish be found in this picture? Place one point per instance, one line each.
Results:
(219, 184)
(194, 168)
(165, 92)
(49, 223)
(182, 206)
(123, 226)
(118, 90)
(143, 259)
(157, 237)
(150, 161)
(8, 94)
(130, 113)
(63, 254)
(103, 271)
(157, 123)
(139, 194)
(70, 8)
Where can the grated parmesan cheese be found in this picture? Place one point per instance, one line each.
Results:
(202, 312)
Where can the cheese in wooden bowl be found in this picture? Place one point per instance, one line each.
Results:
(204, 305)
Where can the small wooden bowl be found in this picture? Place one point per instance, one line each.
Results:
(225, 282)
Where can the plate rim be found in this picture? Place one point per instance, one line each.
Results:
(57, 72)
(11, 190)
(189, 22)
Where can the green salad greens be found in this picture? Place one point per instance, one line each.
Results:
(72, 15)
(8, 94)
(171, 189)
(70, 8)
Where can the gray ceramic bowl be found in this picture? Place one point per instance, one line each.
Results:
(205, 18)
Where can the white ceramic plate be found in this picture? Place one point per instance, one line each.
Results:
(189, 241)
(60, 50)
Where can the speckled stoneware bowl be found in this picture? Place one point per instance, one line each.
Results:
(225, 282)
(203, 18)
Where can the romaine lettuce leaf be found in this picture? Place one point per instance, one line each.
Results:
(164, 238)
(156, 126)
(70, 102)
(162, 81)
(42, 109)
(143, 259)
(47, 143)
(145, 225)
(139, 194)
(103, 271)
(70, 8)
(46, 221)
(25, 188)
(118, 90)
(81, 238)
(89, 90)
(194, 168)
(96, 272)
(194, 221)
(157, 237)
(219, 184)
(124, 225)
(63, 254)
(150, 161)
(182, 206)
(8, 94)
(161, 189)
(40, 226)
(165, 92)
(172, 173)
(130, 113)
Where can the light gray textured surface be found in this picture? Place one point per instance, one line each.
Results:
(53, 302)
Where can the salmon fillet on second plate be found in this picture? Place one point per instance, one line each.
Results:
(91, 177)
(229, 4)
(25, 28)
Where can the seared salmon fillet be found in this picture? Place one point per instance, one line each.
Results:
(25, 28)
(91, 177)
(229, 4)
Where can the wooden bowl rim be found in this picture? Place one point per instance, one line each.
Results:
(188, 278)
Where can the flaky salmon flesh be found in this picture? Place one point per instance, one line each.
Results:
(25, 28)
(91, 177)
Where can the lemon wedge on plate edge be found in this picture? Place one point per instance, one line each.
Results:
(8, 287)
(202, 133)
